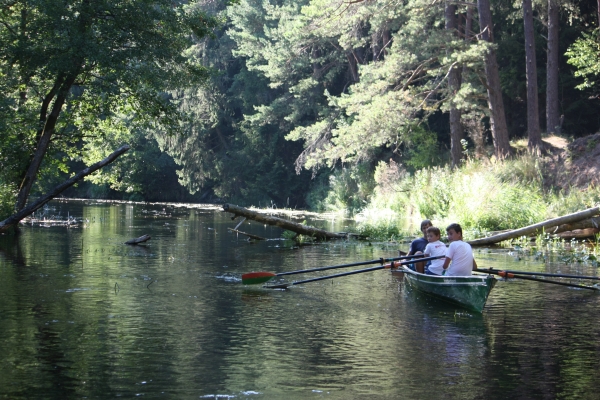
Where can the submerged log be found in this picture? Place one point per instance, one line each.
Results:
(251, 236)
(282, 223)
(139, 240)
(15, 218)
(538, 228)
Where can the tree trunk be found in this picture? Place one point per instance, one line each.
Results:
(533, 118)
(387, 40)
(578, 234)
(552, 113)
(583, 224)
(469, 22)
(537, 228)
(44, 136)
(456, 129)
(283, 223)
(494, 90)
(375, 45)
(15, 218)
(353, 67)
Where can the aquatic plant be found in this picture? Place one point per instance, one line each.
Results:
(380, 231)
(547, 248)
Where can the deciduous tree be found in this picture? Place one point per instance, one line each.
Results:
(70, 67)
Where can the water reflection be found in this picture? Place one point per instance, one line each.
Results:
(82, 315)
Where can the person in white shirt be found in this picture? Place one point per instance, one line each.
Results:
(434, 248)
(459, 256)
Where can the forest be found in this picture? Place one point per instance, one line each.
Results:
(416, 106)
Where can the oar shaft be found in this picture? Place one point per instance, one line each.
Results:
(555, 282)
(506, 275)
(544, 274)
(358, 271)
(379, 260)
(254, 278)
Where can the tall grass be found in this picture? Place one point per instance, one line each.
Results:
(480, 196)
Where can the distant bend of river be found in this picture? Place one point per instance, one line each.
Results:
(84, 316)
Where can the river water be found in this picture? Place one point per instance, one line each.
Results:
(84, 316)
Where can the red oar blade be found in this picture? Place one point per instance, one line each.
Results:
(255, 278)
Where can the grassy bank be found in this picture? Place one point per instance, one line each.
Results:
(482, 196)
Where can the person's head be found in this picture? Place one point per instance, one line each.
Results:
(433, 234)
(424, 225)
(454, 232)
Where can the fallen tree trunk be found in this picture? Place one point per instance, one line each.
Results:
(583, 224)
(15, 218)
(537, 228)
(282, 223)
(578, 234)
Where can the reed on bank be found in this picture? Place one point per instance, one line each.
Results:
(481, 196)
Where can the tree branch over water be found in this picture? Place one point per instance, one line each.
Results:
(15, 218)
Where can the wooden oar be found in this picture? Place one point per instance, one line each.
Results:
(254, 278)
(358, 271)
(491, 270)
(508, 275)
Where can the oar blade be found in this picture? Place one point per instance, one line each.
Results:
(256, 278)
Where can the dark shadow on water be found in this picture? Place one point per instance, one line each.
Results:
(256, 295)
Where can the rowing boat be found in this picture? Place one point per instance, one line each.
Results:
(470, 292)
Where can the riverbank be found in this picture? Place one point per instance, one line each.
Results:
(487, 195)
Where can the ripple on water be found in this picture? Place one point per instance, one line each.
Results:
(175, 322)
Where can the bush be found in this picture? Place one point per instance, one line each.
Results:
(482, 201)
(349, 189)
(8, 198)
(479, 197)
(573, 200)
(391, 187)
(432, 192)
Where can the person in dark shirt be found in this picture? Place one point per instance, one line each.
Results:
(420, 243)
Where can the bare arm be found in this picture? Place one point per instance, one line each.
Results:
(474, 265)
(446, 263)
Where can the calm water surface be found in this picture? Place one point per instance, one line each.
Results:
(84, 316)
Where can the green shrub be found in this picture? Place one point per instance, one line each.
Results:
(423, 148)
(573, 200)
(349, 190)
(315, 198)
(380, 231)
(391, 188)
(432, 192)
(482, 201)
(477, 196)
(526, 169)
(8, 198)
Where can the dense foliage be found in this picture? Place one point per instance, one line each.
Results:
(307, 102)
(78, 76)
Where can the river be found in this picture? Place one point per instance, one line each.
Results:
(84, 316)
